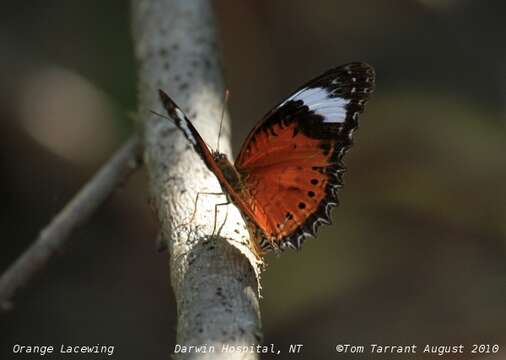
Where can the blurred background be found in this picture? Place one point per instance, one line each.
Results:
(417, 253)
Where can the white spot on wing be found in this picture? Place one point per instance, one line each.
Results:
(321, 101)
(183, 125)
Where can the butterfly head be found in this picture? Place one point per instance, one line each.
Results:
(219, 157)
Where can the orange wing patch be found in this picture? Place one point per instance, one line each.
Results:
(291, 183)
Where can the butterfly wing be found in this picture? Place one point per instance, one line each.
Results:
(291, 161)
(190, 133)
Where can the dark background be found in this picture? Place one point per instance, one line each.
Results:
(417, 253)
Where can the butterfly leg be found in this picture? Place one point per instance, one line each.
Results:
(197, 199)
(222, 224)
(194, 213)
(216, 216)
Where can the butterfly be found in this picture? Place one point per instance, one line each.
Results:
(287, 174)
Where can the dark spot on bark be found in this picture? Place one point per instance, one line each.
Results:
(314, 181)
(311, 194)
(289, 215)
(302, 205)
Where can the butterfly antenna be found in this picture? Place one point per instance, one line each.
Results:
(161, 115)
(225, 101)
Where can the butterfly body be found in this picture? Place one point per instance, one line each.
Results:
(287, 174)
(230, 173)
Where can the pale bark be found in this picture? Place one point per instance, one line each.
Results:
(215, 279)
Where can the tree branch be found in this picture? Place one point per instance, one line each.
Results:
(214, 278)
(74, 214)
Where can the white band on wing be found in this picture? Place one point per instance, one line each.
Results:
(321, 101)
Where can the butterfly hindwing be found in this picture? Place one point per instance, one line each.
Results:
(291, 161)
